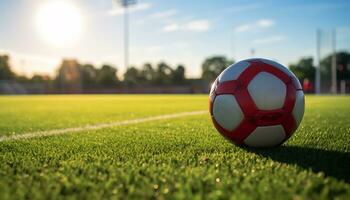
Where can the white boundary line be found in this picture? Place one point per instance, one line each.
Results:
(39, 134)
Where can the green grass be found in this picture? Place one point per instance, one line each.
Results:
(175, 158)
(33, 113)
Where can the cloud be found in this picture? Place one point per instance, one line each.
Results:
(164, 14)
(117, 10)
(171, 27)
(271, 39)
(193, 26)
(262, 23)
(265, 23)
(243, 28)
(198, 25)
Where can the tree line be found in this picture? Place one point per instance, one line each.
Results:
(305, 68)
(73, 74)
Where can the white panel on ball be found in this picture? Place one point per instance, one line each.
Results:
(212, 89)
(267, 91)
(298, 110)
(227, 112)
(233, 71)
(266, 136)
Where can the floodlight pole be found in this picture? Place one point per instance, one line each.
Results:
(126, 37)
(125, 5)
(318, 68)
(334, 63)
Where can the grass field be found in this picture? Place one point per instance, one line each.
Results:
(182, 157)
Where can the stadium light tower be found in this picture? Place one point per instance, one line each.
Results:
(125, 4)
(334, 62)
(318, 68)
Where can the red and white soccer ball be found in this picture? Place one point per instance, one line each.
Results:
(257, 103)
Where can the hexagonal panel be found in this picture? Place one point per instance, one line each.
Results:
(233, 71)
(227, 112)
(298, 110)
(284, 69)
(276, 64)
(266, 136)
(212, 90)
(267, 91)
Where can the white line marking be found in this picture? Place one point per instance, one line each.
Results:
(38, 134)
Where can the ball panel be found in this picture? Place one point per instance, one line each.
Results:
(251, 59)
(233, 71)
(212, 90)
(267, 91)
(298, 110)
(296, 82)
(275, 64)
(227, 112)
(289, 126)
(266, 136)
(285, 70)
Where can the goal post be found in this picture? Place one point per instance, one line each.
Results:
(331, 66)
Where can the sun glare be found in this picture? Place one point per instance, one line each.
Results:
(59, 22)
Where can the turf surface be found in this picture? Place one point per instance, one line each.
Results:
(175, 158)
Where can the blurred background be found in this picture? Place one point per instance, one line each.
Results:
(157, 46)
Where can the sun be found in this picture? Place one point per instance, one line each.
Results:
(59, 22)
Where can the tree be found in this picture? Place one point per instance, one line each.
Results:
(36, 78)
(148, 74)
(213, 66)
(5, 69)
(179, 75)
(163, 74)
(132, 76)
(22, 79)
(69, 75)
(304, 69)
(88, 76)
(107, 76)
(343, 65)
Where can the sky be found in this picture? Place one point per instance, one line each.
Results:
(175, 31)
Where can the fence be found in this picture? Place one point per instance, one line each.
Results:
(13, 87)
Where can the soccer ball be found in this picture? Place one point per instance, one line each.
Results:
(257, 103)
